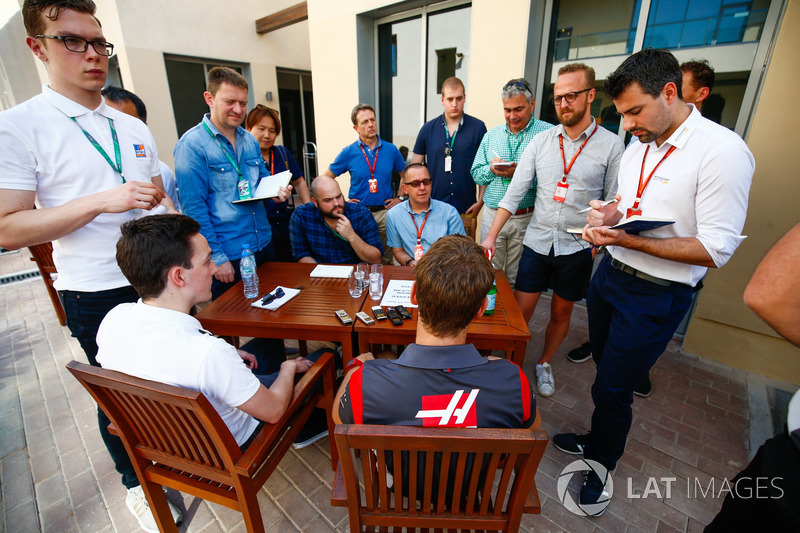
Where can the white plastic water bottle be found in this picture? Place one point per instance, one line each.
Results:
(247, 267)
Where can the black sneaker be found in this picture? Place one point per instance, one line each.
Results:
(316, 428)
(572, 443)
(581, 353)
(594, 498)
(644, 388)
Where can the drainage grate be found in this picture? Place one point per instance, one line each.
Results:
(780, 409)
(19, 276)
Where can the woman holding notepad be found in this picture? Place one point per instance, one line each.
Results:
(263, 123)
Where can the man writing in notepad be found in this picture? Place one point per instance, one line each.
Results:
(684, 168)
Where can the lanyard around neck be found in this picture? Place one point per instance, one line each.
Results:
(224, 151)
(419, 229)
(374, 161)
(450, 141)
(564, 159)
(118, 167)
(644, 182)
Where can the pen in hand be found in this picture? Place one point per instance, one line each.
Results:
(601, 205)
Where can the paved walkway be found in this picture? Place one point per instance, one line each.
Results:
(56, 475)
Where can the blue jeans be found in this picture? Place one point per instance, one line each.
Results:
(262, 256)
(631, 321)
(85, 311)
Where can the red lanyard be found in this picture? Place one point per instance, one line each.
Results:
(419, 230)
(644, 182)
(564, 159)
(374, 161)
(271, 162)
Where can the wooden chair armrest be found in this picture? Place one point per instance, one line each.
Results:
(339, 492)
(532, 504)
(259, 449)
(113, 429)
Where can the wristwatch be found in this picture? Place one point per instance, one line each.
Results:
(354, 363)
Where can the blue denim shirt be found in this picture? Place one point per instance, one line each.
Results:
(208, 184)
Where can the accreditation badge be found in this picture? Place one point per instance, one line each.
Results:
(373, 185)
(561, 191)
(418, 252)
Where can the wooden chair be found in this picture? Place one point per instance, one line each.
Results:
(43, 256)
(470, 225)
(176, 438)
(467, 497)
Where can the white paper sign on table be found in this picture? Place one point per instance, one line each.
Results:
(398, 292)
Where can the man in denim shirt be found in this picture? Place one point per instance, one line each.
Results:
(216, 163)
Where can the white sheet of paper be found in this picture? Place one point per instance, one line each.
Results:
(331, 271)
(398, 292)
(269, 185)
(276, 303)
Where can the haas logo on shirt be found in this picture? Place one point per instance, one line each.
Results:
(450, 410)
(139, 149)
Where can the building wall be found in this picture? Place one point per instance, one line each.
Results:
(148, 29)
(723, 328)
(144, 31)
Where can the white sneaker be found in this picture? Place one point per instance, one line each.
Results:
(140, 508)
(544, 380)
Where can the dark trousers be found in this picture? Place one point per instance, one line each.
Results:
(631, 321)
(85, 311)
(262, 256)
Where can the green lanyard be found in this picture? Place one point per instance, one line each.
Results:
(513, 152)
(118, 167)
(450, 141)
(224, 151)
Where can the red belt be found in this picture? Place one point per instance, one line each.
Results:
(524, 211)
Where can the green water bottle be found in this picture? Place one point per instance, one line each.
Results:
(492, 297)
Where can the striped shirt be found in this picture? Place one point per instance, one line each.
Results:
(508, 146)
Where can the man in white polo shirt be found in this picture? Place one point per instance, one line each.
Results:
(89, 168)
(169, 263)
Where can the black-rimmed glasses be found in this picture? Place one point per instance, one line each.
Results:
(569, 97)
(78, 45)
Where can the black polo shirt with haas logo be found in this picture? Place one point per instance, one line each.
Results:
(439, 386)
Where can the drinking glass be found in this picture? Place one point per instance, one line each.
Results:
(362, 270)
(376, 282)
(354, 283)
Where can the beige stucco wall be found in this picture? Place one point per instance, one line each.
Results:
(723, 328)
(144, 31)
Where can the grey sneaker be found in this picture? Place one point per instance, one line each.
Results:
(140, 508)
(544, 380)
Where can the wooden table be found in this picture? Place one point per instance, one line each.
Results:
(307, 316)
(504, 330)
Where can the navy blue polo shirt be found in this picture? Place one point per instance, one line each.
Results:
(353, 160)
(439, 386)
(456, 188)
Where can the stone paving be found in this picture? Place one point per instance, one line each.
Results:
(57, 476)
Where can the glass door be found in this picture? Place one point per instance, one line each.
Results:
(297, 118)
